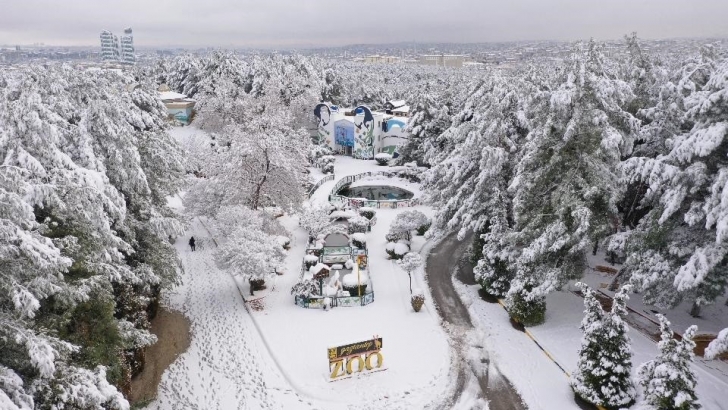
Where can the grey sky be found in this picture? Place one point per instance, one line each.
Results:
(272, 23)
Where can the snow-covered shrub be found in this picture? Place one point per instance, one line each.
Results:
(367, 212)
(525, 306)
(310, 260)
(383, 158)
(717, 346)
(408, 221)
(603, 374)
(316, 152)
(417, 299)
(352, 284)
(397, 250)
(284, 241)
(359, 240)
(327, 164)
(358, 224)
(306, 288)
(394, 236)
(668, 381)
(494, 277)
(349, 264)
(424, 228)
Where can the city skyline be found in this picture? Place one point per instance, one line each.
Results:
(307, 23)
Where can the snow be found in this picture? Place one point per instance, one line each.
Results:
(171, 95)
(275, 357)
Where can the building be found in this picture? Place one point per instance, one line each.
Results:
(360, 132)
(127, 47)
(382, 59)
(178, 105)
(118, 52)
(442, 60)
(109, 46)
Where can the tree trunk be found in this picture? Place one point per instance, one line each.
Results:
(596, 247)
(259, 185)
(410, 278)
(695, 310)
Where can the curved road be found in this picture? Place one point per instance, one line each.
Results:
(446, 260)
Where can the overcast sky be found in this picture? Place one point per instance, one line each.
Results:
(302, 23)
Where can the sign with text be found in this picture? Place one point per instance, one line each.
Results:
(355, 358)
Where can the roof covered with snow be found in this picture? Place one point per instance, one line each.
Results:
(171, 96)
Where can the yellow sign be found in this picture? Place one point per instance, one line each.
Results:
(355, 358)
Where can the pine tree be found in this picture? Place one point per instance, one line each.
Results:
(668, 380)
(603, 374)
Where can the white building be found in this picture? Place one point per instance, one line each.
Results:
(442, 60)
(114, 51)
(127, 47)
(109, 46)
(360, 132)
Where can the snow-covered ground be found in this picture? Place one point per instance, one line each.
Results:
(541, 383)
(277, 357)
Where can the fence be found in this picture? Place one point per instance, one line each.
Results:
(316, 186)
(336, 301)
(360, 202)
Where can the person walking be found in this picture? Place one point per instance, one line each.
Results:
(192, 243)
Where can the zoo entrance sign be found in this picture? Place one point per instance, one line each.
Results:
(355, 358)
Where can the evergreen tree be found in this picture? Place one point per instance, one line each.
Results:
(603, 374)
(668, 380)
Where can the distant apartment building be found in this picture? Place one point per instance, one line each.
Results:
(127, 47)
(109, 46)
(442, 60)
(112, 50)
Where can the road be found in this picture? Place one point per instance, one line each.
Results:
(445, 260)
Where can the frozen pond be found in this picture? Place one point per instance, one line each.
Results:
(376, 193)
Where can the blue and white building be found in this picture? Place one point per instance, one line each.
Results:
(360, 132)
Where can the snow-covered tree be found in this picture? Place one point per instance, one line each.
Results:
(717, 346)
(668, 381)
(250, 254)
(410, 263)
(408, 221)
(315, 219)
(678, 251)
(603, 374)
(257, 164)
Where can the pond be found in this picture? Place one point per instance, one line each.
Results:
(376, 193)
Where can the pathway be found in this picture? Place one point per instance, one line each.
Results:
(441, 265)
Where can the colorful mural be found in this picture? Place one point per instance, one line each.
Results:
(344, 132)
(364, 129)
(323, 114)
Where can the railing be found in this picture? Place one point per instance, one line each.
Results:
(360, 202)
(318, 184)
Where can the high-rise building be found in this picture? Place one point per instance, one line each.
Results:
(127, 47)
(109, 46)
(113, 50)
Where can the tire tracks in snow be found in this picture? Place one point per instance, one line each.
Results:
(442, 265)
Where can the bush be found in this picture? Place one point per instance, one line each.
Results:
(417, 300)
(256, 284)
(423, 228)
(358, 224)
(305, 288)
(383, 158)
(367, 212)
(526, 312)
(397, 250)
(310, 260)
(327, 164)
(359, 240)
